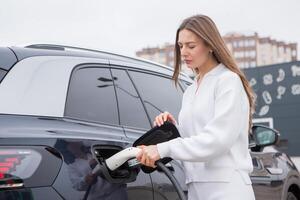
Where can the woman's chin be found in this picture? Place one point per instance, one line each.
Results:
(190, 67)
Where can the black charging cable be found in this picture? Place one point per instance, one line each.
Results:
(174, 181)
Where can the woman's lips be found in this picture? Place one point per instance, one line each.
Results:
(188, 61)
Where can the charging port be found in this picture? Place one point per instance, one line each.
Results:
(124, 174)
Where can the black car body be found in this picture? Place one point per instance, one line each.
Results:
(61, 104)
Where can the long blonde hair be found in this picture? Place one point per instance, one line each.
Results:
(206, 29)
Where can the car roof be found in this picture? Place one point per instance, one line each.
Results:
(63, 50)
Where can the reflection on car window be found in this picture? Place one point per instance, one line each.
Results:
(131, 109)
(159, 94)
(91, 96)
(265, 136)
(80, 164)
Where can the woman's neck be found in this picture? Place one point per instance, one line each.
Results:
(206, 67)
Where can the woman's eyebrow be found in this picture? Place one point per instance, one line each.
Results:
(189, 42)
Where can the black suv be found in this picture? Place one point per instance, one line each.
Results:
(64, 109)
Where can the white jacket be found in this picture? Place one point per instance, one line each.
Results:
(213, 123)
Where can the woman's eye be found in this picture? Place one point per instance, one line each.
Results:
(191, 47)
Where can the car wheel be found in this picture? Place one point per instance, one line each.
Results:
(291, 196)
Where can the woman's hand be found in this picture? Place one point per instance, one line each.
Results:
(148, 155)
(161, 118)
(90, 178)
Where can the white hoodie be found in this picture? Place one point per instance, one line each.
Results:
(213, 124)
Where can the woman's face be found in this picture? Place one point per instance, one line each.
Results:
(75, 147)
(193, 50)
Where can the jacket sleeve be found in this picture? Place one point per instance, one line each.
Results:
(220, 132)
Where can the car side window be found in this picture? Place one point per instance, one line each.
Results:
(91, 96)
(158, 93)
(2, 74)
(131, 108)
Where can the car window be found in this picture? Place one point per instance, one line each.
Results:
(2, 74)
(91, 96)
(131, 108)
(159, 94)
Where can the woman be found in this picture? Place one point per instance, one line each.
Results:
(214, 120)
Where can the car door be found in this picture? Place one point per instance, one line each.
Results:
(158, 94)
(92, 100)
(135, 123)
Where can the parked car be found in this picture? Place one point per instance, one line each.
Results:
(64, 109)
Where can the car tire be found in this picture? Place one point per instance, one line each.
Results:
(291, 196)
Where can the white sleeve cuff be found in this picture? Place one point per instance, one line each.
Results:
(163, 149)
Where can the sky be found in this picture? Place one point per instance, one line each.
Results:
(127, 26)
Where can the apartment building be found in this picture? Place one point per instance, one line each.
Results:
(249, 49)
(161, 54)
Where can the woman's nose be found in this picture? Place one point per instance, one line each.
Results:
(183, 51)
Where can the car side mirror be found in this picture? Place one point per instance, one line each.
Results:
(264, 136)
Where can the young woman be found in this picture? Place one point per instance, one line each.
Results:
(214, 120)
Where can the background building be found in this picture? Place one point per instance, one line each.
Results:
(249, 50)
(163, 54)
